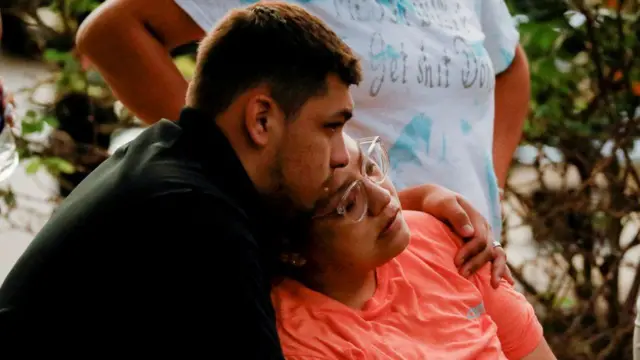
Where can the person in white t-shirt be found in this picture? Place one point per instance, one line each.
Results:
(446, 83)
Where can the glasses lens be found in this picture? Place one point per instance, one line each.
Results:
(376, 162)
(354, 202)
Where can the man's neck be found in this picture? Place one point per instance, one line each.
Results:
(232, 130)
(353, 290)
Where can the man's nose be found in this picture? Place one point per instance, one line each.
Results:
(378, 196)
(339, 154)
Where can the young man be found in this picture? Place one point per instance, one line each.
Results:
(200, 199)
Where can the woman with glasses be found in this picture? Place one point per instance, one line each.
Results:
(367, 280)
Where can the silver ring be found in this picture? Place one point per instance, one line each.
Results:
(496, 244)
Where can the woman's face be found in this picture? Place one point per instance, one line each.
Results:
(361, 226)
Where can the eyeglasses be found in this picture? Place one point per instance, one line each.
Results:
(353, 204)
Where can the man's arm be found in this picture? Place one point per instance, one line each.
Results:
(452, 209)
(128, 41)
(512, 105)
(541, 352)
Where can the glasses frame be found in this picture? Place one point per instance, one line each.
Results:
(371, 142)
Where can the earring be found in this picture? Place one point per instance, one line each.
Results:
(294, 259)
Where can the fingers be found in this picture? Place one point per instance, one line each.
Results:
(476, 245)
(473, 256)
(507, 273)
(443, 204)
(478, 223)
(499, 267)
(460, 221)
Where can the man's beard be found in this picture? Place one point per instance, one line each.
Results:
(281, 198)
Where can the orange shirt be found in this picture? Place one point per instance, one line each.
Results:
(422, 309)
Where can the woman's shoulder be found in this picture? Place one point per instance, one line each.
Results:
(427, 226)
(430, 236)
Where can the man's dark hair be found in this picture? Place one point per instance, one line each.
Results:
(277, 44)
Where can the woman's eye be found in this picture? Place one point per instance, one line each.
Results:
(371, 168)
(349, 206)
(350, 202)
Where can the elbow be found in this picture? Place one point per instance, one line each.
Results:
(99, 32)
(86, 35)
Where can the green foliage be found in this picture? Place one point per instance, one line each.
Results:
(585, 67)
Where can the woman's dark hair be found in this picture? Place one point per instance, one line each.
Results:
(295, 240)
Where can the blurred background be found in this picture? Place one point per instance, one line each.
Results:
(572, 202)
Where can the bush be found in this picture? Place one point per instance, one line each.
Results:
(584, 125)
(82, 117)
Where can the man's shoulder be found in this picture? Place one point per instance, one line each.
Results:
(163, 161)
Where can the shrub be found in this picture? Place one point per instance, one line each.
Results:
(583, 126)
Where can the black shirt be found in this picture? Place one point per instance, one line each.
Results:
(159, 249)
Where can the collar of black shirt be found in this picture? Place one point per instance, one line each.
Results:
(212, 149)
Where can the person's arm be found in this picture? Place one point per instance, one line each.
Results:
(541, 352)
(207, 289)
(452, 209)
(128, 42)
(512, 106)
(512, 82)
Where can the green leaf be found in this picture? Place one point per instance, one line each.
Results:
(34, 165)
(53, 55)
(31, 113)
(9, 198)
(32, 126)
(51, 121)
(59, 165)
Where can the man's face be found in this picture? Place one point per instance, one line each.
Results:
(313, 145)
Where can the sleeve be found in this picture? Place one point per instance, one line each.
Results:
(501, 35)
(209, 290)
(519, 330)
(206, 13)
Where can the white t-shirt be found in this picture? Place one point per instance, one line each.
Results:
(429, 79)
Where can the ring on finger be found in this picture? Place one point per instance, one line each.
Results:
(496, 244)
